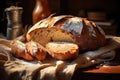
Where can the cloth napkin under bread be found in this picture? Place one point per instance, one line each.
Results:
(52, 69)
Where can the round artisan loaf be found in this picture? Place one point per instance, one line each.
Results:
(67, 28)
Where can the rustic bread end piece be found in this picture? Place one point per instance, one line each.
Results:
(18, 49)
(62, 50)
(28, 51)
(36, 50)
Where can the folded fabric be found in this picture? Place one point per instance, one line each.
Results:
(52, 69)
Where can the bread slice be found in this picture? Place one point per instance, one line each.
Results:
(62, 50)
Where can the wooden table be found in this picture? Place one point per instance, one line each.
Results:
(104, 71)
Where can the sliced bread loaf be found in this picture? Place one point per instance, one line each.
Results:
(67, 28)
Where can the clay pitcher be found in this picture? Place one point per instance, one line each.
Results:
(41, 10)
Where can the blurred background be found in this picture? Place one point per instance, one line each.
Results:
(104, 12)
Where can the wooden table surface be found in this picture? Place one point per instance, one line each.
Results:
(104, 71)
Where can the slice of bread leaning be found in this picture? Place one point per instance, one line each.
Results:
(63, 50)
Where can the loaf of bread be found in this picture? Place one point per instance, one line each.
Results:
(66, 28)
(62, 50)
